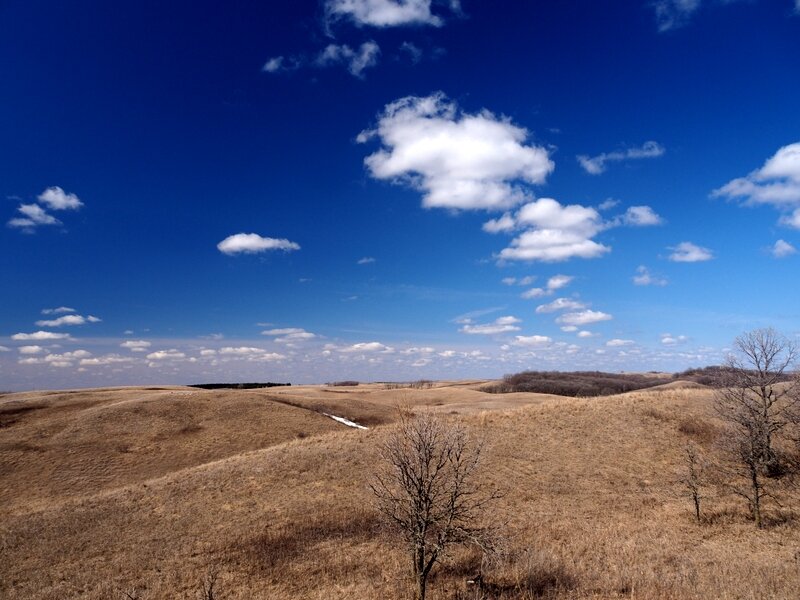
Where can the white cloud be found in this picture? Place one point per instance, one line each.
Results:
(67, 320)
(560, 304)
(367, 260)
(782, 249)
(31, 349)
(384, 13)
(251, 243)
(776, 183)
(273, 65)
(364, 347)
(505, 223)
(499, 325)
(641, 216)
(171, 354)
(289, 335)
(57, 199)
(57, 311)
(595, 165)
(556, 282)
(556, 232)
(416, 350)
(569, 328)
(64, 360)
(689, 252)
(584, 317)
(109, 359)
(33, 216)
(644, 277)
(136, 345)
(532, 340)
(534, 293)
(670, 340)
(5, 349)
(616, 343)
(39, 336)
(585, 334)
(458, 160)
(241, 351)
(356, 61)
(413, 51)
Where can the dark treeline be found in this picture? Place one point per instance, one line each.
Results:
(236, 386)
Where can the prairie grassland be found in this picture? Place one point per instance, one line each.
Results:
(591, 506)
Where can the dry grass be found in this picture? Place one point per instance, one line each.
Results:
(591, 508)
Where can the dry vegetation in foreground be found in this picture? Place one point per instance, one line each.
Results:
(149, 492)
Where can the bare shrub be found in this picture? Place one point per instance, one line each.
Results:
(761, 409)
(693, 478)
(428, 491)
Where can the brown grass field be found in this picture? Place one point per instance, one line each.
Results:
(142, 492)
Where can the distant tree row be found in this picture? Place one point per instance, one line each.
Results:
(237, 386)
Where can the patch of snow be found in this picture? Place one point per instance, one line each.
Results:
(344, 421)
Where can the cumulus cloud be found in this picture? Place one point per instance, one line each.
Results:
(109, 359)
(527, 280)
(782, 249)
(39, 336)
(367, 260)
(505, 223)
(241, 351)
(532, 340)
(5, 349)
(689, 252)
(585, 334)
(384, 13)
(136, 345)
(776, 183)
(560, 304)
(33, 216)
(644, 277)
(584, 317)
(616, 343)
(641, 216)
(499, 325)
(356, 61)
(57, 199)
(68, 320)
(252, 243)
(555, 232)
(595, 165)
(31, 349)
(458, 160)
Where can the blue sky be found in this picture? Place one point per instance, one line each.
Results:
(318, 190)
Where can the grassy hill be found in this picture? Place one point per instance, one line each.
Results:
(106, 491)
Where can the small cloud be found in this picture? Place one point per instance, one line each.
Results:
(31, 349)
(534, 293)
(366, 347)
(584, 317)
(39, 336)
(356, 61)
(384, 13)
(252, 243)
(57, 199)
(499, 325)
(608, 204)
(367, 260)
(585, 334)
(671, 14)
(69, 319)
(136, 345)
(412, 51)
(689, 252)
(644, 277)
(556, 282)
(505, 223)
(616, 343)
(596, 165)
(273, 65)
(670, 340)
(289, 335)
(171, 354)
(782, 249)
(532, 340)
(57, 311)
(560, 304)
(641, 216)
(5, 349)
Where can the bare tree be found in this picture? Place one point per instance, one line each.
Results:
(428, 490)
(693, 477)
(760, 401)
